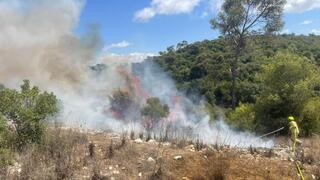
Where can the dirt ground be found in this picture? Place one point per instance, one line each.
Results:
(111, 156)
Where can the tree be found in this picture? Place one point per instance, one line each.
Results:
(238, 19)
(121, 102)
(154, 111)
(27, 109)
(289, 82)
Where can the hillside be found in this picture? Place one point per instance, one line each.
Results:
(203, 67)
(271, 74)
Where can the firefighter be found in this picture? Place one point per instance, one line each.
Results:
(294, 130)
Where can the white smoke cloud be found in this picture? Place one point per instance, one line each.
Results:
(37, 42)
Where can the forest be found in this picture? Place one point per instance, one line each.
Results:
(278, 75)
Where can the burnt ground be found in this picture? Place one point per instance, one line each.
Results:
(78, 155)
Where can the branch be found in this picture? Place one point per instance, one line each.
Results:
(257, 18)
(247, 15)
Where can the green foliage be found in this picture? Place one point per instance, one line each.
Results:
(5, 153)
(27, 109)
(289, 81)
(238, 19)
(154, 111)
(243, 117)
(311, 117)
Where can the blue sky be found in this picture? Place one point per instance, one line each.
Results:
(149, 26)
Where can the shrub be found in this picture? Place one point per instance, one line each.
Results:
(243, 117)
(27, 109)
(153, 112)
(5, 152)
(121, 102)
(311, 117)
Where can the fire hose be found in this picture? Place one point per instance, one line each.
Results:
(280, 129)
(299, 170)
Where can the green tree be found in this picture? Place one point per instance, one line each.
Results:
(121, 102)
(27, 109)
(153, 112)
(239, 19)
(289, 81)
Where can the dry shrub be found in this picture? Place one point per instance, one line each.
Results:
(310, 152)
(55, 158)
(91, 150)
(132, 135)
(217, 166)
(199, 145)
(141, 135)
(110, 150)
(96, 175)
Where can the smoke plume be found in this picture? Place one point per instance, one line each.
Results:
(37, 42)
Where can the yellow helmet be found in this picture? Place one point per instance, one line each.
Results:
(291, 118)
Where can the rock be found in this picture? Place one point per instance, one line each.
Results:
(140, 174)
(110, 167)
(112, 178)
(116, 172)
(138, 141)
(190, 148)
(152, 141)
(123, 168)
(166, 144)
(16, 168)
(177, 157)
(185, 178)
(313, 176)
(150, 159)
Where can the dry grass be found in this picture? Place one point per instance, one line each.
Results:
(67, 154)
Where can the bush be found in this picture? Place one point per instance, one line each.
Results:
(153, 112)
(311, 117)
(27, 109)
(5, 152)
(243, 117)
(123, 105)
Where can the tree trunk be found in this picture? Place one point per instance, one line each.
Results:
(234, 73)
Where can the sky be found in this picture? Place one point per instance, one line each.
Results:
(150, 26)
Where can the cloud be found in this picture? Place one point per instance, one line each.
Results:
(122, 44)
(306, 22)
(315, 31)
(204, 14)
(165, 7)
(285, 31)
(294, 6)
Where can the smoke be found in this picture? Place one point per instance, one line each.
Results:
(37, 42)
